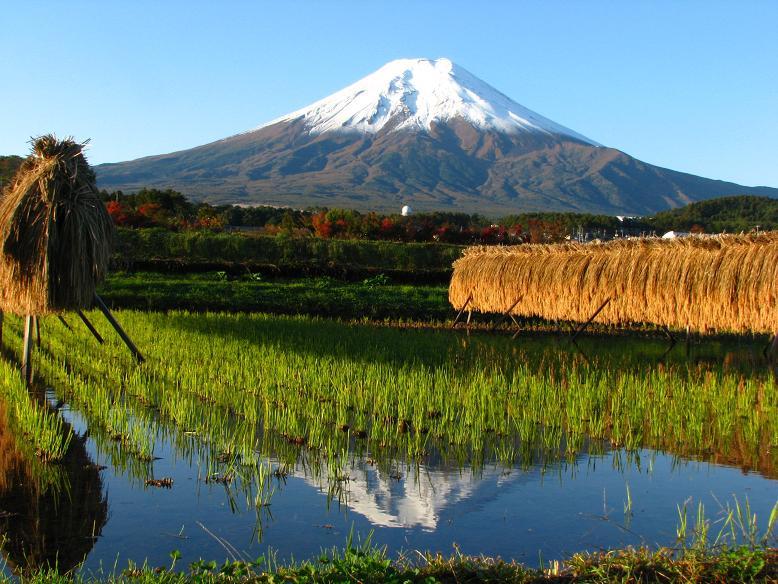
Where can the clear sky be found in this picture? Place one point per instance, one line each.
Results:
(687, 85)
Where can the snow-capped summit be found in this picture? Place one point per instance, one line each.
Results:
(426, 134)
(414, 93)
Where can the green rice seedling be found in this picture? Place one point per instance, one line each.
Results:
(738, 526)
(304, 391)
(41, 428)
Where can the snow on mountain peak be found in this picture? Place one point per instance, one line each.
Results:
(414, 93)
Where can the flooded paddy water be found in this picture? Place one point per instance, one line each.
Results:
(244, 434)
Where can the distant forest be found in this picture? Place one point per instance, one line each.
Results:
(172, 210)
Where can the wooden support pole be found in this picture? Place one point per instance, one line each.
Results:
(771, 349)
(461, 312)
(669, 335)
(117, 327)
(2, 316)
(591, 318)
(505, 315)
(666, 353)
(89, 325)
(64, 322)
(27, 351)
(469, 316)
(37, 331)
(580, 352)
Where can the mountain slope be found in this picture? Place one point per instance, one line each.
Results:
(426, 133)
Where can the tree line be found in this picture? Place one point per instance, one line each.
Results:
(172, 210)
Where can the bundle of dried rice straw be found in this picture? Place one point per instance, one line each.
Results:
(55, 233)
(721, 283)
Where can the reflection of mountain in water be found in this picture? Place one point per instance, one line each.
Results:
(421, 495)
(49, 514)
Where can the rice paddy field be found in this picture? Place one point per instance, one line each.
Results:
(246, 434)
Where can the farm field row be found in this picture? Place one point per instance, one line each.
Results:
(374, 298)
(323, 384)
(263, 408)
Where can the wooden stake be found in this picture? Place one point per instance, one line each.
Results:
(27, 351)
(461, 312)
(37, 331)
(770, 349)
(669, 335)
(2, 316)
(89, 325)
(505, 315)
(591, 318)
(469, 316)
(580, 351)
(117, 327)
(64, 322)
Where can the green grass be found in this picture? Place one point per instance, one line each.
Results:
(368, 564)
(371, 298)
(42, 431)
(293, 386)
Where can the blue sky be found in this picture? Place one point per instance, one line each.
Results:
(691, 86)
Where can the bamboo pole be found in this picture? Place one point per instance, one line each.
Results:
(581, 352)
(461, 312)
(117, 327)
(669, 335)
(506, 314)
(591, 318)
(89, 325)
(771, 349)
(27, 350)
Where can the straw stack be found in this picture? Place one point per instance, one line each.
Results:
(710, 284)
(55, 233)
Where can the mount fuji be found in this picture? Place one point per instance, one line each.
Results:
(423, 132)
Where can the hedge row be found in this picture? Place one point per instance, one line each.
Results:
(149, 245)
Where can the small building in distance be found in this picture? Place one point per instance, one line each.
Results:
(675, 234)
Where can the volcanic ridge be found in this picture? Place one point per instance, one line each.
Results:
(424, 132)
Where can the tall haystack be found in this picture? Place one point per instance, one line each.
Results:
(723, 283)
(55, 233)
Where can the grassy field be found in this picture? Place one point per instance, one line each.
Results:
(374, 298)
(282, 385)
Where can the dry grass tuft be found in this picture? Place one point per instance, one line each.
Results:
(710, 284)
(55, 233)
